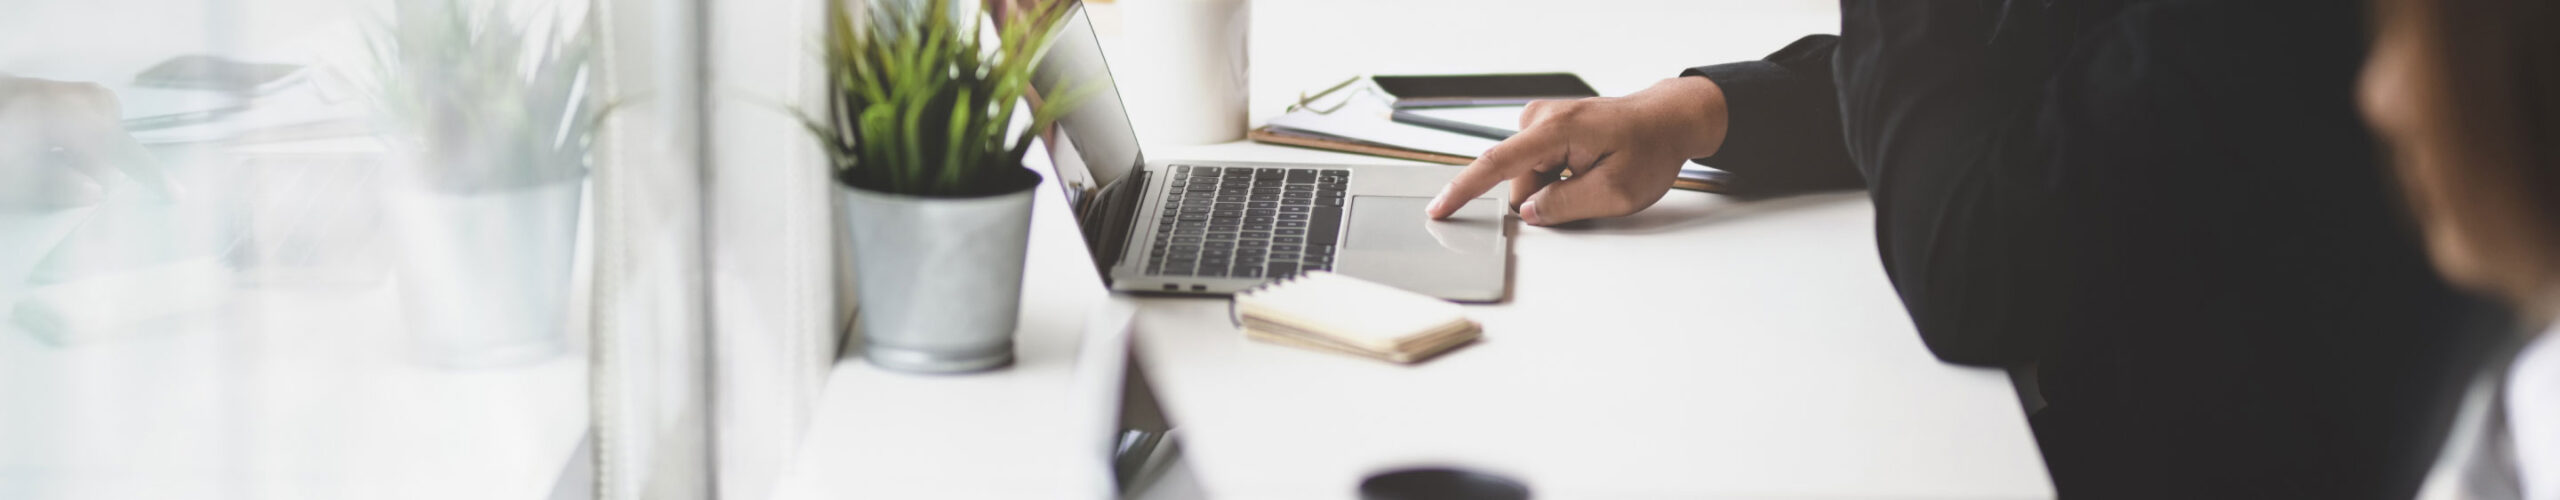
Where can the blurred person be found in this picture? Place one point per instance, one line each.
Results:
(2165, 216)
(61, 143)
(2467, 94)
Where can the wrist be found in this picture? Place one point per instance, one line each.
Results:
(1703, 113)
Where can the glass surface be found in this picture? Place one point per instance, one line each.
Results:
(294, 249)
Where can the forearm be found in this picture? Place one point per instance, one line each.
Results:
(1781, 120)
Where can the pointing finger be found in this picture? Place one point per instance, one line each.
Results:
(1523, 153)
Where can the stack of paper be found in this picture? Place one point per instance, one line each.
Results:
(1336, 313)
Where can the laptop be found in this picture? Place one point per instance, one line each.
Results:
(1219, 227)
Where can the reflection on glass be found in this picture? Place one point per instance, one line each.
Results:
(292, 249)
(488, 127)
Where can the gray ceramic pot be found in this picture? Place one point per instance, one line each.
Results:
(939, 278)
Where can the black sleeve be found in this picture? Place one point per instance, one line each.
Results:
(1783, 120)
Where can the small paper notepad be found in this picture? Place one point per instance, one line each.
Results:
(1337, 313)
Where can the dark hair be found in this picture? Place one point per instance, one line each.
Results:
(2479, 158)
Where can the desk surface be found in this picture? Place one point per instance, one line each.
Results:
(1703, 347)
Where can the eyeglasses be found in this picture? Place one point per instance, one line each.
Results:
(1359, 86)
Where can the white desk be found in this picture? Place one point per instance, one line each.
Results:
(1701, 348)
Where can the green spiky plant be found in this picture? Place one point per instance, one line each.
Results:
(463, 93)
(920, 105)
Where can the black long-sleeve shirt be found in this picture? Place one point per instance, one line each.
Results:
(2170, 207)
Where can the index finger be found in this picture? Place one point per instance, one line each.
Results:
(1521, 154)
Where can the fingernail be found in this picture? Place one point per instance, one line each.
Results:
(1529, 213)
(1437, 202)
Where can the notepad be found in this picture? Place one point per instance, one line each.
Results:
(1335, 313)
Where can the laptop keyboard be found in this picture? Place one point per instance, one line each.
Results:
(1248, 222)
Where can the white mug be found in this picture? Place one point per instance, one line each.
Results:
(1187, 63)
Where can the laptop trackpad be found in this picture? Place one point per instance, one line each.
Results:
(1396, 223)
(1390, 241)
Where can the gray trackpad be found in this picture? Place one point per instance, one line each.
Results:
(1397, 224)
(1391, 242)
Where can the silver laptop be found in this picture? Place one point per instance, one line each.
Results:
(1218, 227)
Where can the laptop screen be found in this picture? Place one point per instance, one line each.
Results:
(1098, 145)
(1093, 147)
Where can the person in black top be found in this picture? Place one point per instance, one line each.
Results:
(2167, 213)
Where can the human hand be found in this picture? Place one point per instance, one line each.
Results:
(1623, 153)
(60, 142)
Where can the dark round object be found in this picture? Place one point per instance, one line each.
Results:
(1437, 483)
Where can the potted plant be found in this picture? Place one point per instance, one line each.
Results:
(920, 125)
(488, 122)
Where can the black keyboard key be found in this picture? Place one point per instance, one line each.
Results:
(1293, 223)
(1284, 248)
(1282, 269)
(1253, 243)
(1289, 239)
(1302, 187)
(1218, 244)
(1261, 212)
(1186, 239)
(1298, 175)
(1289, 232)
(1257, 227)
(1270, 173)
(1223, 236)
(1284, 211)
(1185, 248)
(1257, 234)
(1257, 219)
(1297, 202)
(1262, 205)
(1295, 216)
(1263, 197)
(1321, 248)
(1327, 225)
(1284, 257)
(1204, 171)
(1255, 252)
(1191, 224)
(1238, 198)
(1334, 203)
(1207, 253)
(1266, 190)
(1246, 272)
(1188, 231)
(1212, 271)
(1228, 206)
(1175, 271)
(1298, 194)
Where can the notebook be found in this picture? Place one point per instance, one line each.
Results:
(1341, 314)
